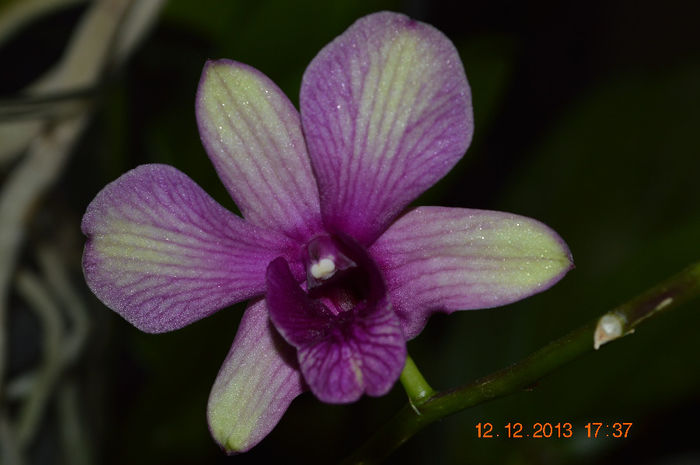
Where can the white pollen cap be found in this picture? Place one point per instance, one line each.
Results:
(323, 269)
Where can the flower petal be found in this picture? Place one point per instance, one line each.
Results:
(252, 133)
(447, 259)
(386, 111)
(297, 317)
(365, 353)
(162, 253)
(256, 384)
(341, 356)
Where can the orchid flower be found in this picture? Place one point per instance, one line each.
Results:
(339, 273)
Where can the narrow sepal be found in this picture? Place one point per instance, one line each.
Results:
(252, 134)
(256, 383)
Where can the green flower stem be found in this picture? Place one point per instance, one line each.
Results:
(623, 320)
(416, 386)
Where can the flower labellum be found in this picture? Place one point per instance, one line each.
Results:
(339, 274)
(348, 339)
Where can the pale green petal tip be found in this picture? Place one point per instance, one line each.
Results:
(226, 81)
(254, 386)
(232, 432)
(541, 257)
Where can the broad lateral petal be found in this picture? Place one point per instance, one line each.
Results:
(361, 350)
(386, 110)
(252, 134)
(162, 253)
(445, 259)
(256, 384)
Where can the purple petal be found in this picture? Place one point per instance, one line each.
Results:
(364, 353)
(162, 253)
(447, 259)
(297, 317)
(341, 356)
(252, 134)
(386, 111)
(256, 384)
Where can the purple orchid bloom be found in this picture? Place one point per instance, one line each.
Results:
(340, 274)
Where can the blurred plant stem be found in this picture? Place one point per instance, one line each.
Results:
(15, 14)
(38, 129)
(612, 325)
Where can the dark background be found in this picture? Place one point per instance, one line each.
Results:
(587, 118)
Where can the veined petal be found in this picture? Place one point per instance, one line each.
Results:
(446, 259)
(386, 111)
(361, 350)
(162, 253)
(256, 384)
(252, 134)
(364, 353)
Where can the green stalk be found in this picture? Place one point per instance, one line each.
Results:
(618, 322)
(417, 388)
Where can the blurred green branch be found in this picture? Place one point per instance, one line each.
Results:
(612, 325)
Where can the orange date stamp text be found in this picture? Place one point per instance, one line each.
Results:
(558, 430)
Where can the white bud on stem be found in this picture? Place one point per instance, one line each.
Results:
(609, 328)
